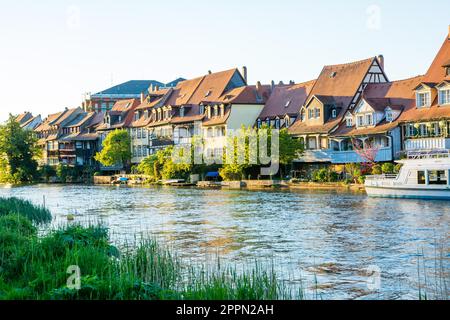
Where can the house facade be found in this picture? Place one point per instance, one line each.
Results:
(338, 90)
(50, 131)
(426, 126)
(371, 132)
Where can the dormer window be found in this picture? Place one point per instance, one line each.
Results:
(369, 119)
(258, 123)
(136, 116)
(277, 123)
(182, 112)
(444, 96)
(202, 109)
(334, 113)
(349, 122)
(287, 122)
(389, 116)
(216, 111)
(423, 99)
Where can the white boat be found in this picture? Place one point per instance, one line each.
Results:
(424, 175)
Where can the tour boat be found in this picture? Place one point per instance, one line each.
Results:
(424, 175)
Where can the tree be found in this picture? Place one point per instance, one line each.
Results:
(18, 153)
(116, 149)
(290, 149)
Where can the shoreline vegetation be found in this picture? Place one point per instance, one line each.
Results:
(35, 267)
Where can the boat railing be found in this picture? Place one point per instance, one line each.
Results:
(428, 154)
(382, 177)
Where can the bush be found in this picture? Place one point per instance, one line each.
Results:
(376, 169)
(324, 175)
(397, 168)
(388, 168)
(361, 179)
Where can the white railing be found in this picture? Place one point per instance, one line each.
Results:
(382, 176)
(428, 154)
(427, 144)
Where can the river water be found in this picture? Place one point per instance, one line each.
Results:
(334, 243)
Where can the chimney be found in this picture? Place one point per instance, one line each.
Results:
(244, 73)
(281, 83)
(142, 97)
(272, 84)
(380, 59)
(209, 72)
(258, 86)
(291, 82)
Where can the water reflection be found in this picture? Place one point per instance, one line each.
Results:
(327, 237)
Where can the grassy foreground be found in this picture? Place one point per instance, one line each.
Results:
(36, 267)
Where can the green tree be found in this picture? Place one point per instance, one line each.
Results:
(116, 149)
(18, 153)
(290, 149)
(388, 168)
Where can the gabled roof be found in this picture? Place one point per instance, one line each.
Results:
(245, 95)
(66, 116)
(24, 117)
(80, 120)
(212, 86)
(49, 121)
(286, 100)
(436, 72)
(340, 83)
(183, 92)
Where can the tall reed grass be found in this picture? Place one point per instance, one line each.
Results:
(35, 267)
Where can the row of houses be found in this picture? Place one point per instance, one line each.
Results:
(348, 109)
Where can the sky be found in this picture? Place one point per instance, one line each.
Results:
(53, 51)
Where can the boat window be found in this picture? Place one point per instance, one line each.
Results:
(437, 177)
(421, 177)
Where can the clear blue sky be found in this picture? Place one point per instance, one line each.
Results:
(51, 52)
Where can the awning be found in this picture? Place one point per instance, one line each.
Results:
(212, 175)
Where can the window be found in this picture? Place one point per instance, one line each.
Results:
(216, 111)
(144, 151)
(202, 109)
(349, 122)
(437, 177)
(369, 119)
(421, 177)
(444, 96)
(277, 123)
(317, 111)
(139, 151)
(79, 145)
(423, 129)
(360, 121)
(310, 113)
(258, 124)
(389, 117)
(302, 115)
(182, 112)
(423, 99)
(268, 122)
(334, 113)
(410, 130)
(287, 122)
(136, 116)
(144, 133)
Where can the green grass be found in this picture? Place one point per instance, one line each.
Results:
(35, 267)
(36, 214)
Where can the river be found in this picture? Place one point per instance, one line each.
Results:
(326, 240)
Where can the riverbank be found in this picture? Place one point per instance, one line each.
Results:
(79, 262)
(243, 184)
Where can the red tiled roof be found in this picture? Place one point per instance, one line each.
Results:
(293, 95)
(212, 86)
(183, 92)
(436, 72)
(340, 82)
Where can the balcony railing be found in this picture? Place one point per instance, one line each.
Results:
(427, 144)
